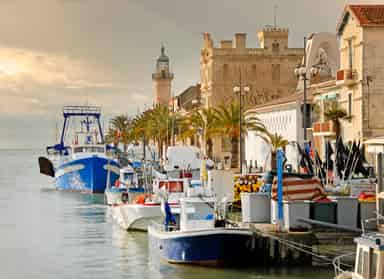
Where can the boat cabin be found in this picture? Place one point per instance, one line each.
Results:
(370, 256)
(176, 188)
(197, 213)
(87, 148)
(128, 177)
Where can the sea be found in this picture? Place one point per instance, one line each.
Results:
(45, 233)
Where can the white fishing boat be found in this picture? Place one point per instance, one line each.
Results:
(127, 182)
(137, 214)
(369, 259)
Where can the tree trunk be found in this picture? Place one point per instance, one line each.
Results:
(210, 148)
(235, 152)
(273, 160)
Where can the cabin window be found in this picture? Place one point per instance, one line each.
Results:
(366, 265)
(88, 149)
(172, 186)
(360, 262)
(374, 265)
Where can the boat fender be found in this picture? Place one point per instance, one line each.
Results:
(140, 199)
(117, 183)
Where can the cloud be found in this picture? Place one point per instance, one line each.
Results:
(38, 83)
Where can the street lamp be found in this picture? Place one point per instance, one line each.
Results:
(241, 91)
(301, 73)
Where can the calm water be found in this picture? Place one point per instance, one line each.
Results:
(51, 234)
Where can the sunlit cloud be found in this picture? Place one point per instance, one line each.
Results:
(39, 83)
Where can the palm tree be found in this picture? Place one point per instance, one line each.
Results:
(276, 141)
(335, 113)
(204, 122)
(120, 131)
(228, 120)
(156, 125)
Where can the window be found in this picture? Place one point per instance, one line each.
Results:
(360, 262)
(275, 46)
(374, 265)
(365, 265)
(172, 186)
(350, 54)
(350, 104)
(225, 71)
(275, 71)
(254, 72)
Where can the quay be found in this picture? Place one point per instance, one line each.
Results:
(315, 246)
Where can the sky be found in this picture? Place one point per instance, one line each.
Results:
(103, 52)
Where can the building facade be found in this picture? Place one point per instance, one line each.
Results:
(358, 87)
(283, 117)
(268, 71)
(162, 79)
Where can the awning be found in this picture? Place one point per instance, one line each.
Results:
(328, 96)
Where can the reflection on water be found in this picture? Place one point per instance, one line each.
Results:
(52, 234)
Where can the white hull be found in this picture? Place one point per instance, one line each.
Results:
(113, 198)
(136, 216)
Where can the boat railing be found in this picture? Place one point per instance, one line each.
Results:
(81, 110)
(340, 265)
(162, 227)
(377, 219)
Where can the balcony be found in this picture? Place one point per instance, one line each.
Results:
(326, 128)
(346, 76)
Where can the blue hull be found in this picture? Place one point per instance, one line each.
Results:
(220, 248)
(87, 174)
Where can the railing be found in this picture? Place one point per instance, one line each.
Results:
(346, 75)
(81, 110)
(338, 264)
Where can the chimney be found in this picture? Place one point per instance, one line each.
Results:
(240, 40)
(208, 43)
(226, 44)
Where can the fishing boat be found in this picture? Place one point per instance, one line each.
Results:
(369, 258)
(183, 161)
(197, 239)
(83, 164)
(137, 214)
(128, 182)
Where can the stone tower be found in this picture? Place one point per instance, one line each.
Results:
(162, 79)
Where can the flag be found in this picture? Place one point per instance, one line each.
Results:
(328, 156)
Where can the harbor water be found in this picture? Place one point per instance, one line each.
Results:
(46, 233)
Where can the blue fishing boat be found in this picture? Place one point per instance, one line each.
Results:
(198, 240)
(83, 164)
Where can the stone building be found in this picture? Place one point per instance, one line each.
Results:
(358, 87)
(162, 79)
(267, 70)
(185, 103)
(189, 99)
(284, 116)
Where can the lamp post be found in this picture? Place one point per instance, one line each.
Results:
(301, 73)
(241, 91)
